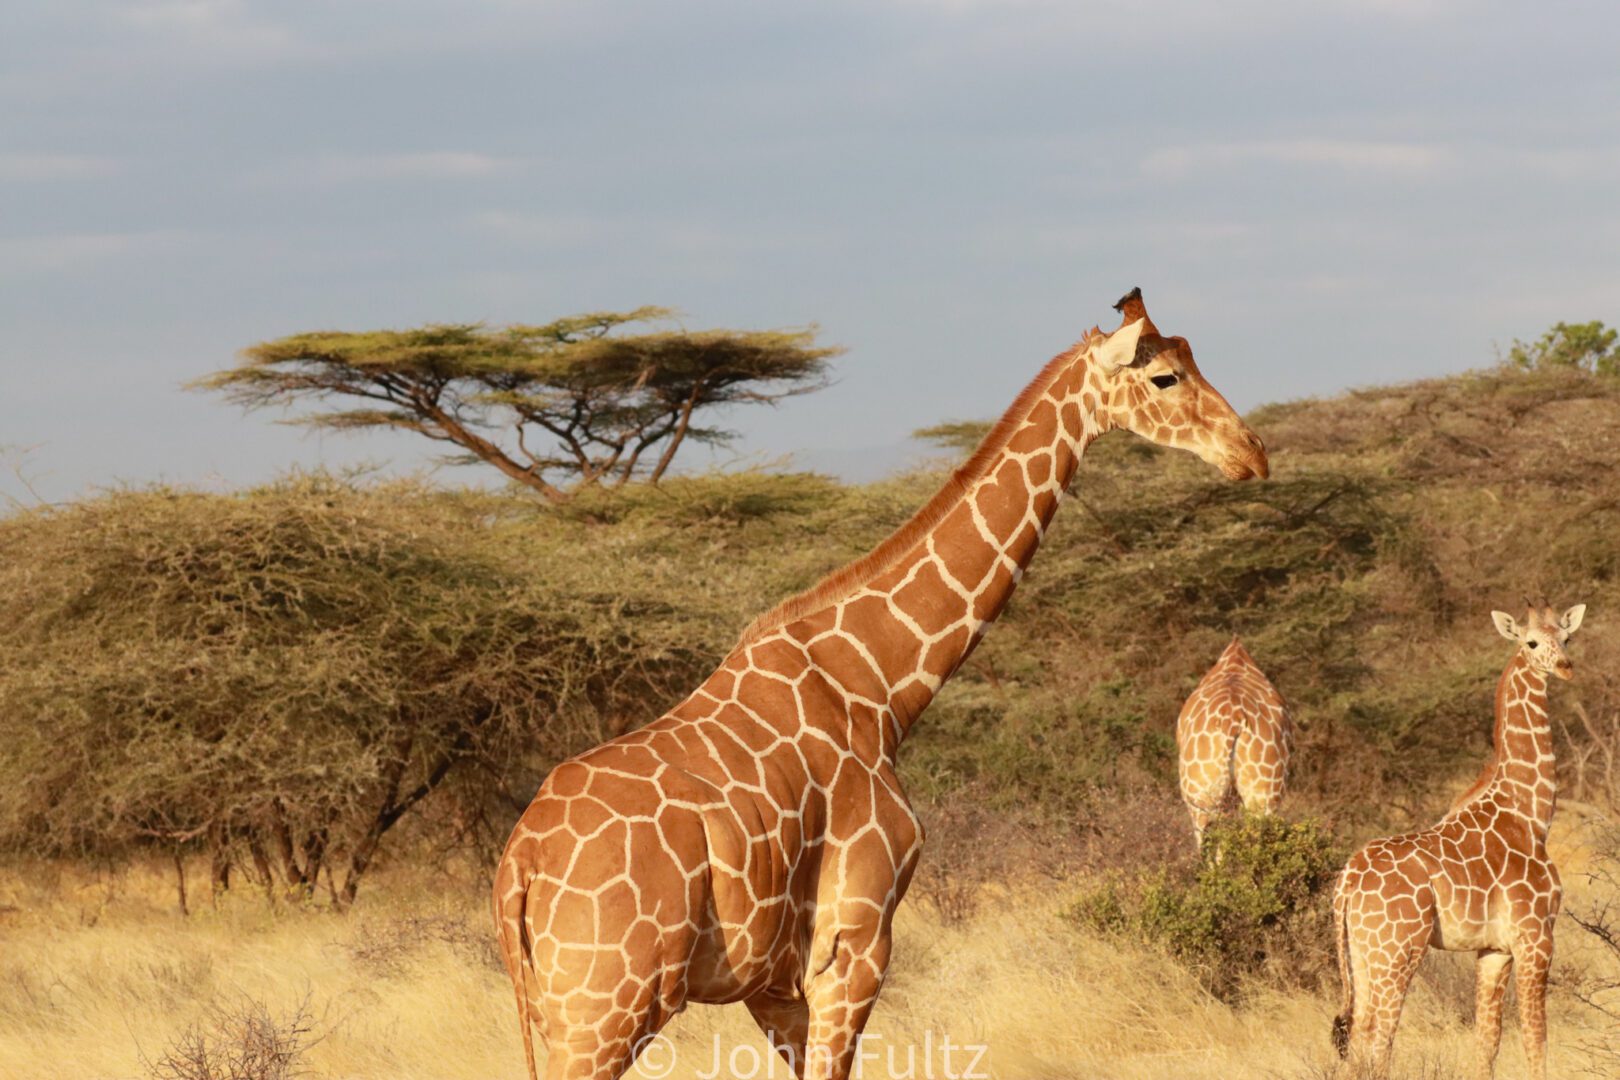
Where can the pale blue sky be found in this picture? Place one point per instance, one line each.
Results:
(1318, 195)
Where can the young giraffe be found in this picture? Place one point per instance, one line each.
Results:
(1479, 881)
(1233, 738)
(752, 844)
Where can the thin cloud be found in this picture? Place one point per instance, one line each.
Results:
(336, 169)
(225, 28)
(574, 231)
(37, 167)
(1342, 155)
(1188, 9)
(1559, 163)
(58, 252)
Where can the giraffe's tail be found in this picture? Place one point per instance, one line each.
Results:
(511, 899)
(1341, 939)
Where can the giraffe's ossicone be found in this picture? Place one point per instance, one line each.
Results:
(1480, 881)
(752, 843)
(1233, 739)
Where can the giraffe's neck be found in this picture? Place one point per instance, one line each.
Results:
(976, 556)
(888, 635)
(1523, 770)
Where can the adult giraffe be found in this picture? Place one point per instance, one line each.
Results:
(752, 843)
(1232, 741)
(1478, 881)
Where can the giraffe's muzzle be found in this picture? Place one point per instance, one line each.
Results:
(1247, 459)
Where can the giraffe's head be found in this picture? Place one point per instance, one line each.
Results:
(1149, 384)
(1542, 636)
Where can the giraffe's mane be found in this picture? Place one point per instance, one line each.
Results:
(845, 580)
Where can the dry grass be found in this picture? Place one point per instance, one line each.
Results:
(403, 988)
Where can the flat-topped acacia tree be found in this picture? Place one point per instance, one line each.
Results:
(573, 403)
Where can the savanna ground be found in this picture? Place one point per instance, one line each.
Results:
(337, 695)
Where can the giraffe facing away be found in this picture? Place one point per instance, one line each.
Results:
(752, 843)
(1479, 881)
(1233, 738)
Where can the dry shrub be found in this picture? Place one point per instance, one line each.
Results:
(286, 668)
(282, 674)
(1136, 827)
(242, 1040)
(1590, 760)
(973, 847)
(1448, 978)
(389, 946)
(1598, 985)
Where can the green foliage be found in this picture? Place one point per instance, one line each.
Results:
(585, 403)
(1585, 346)
(1253, 903)
(954, 434)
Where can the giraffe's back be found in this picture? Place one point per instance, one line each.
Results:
(1233, 735)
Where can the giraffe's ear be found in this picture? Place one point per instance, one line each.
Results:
(1120, 348)
(1571, 620)
(1505, 625)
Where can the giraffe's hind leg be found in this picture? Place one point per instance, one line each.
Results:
(1490, 988)
(599, 1039)
(1258, 765)
(1388, 951)
(599, 1003)
(590, 1057)
(1206, 782)
(1200, 822)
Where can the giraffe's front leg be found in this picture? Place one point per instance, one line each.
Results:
(1490, 988)
(786, 1023)
(874, 850)
(847, 974)
(1531, 959)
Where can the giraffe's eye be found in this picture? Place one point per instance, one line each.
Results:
(1164, 382)
(1532, 644)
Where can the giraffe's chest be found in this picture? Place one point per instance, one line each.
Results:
(847, 852)
(1493, 873)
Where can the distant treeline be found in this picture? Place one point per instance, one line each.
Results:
(274, 680)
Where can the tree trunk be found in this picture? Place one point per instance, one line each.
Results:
(261, 863)
(219, 862)
(314, 852)
(488, 451)
(677, 435)
(391, 812)
(628, 470)
(180, 880)
(286, 852)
